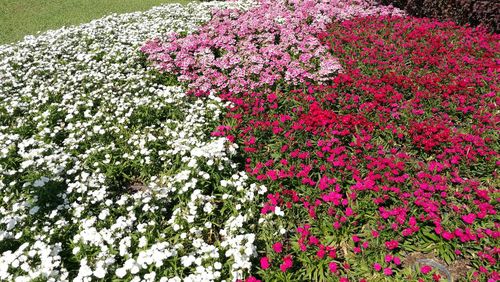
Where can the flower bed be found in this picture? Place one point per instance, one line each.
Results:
(398, 156)
(328, 141)
(274, 42)
(108, 173)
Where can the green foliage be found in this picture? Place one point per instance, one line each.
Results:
(22, 17)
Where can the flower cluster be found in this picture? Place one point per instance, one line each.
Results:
(399, 155)
(333, 141)
(108, 173)
(239, 50)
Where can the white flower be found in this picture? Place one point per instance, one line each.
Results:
(142, 242)
(121, 272)
(278, 211)
(85, 270)
(100, 272)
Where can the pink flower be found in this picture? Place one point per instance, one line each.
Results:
(252, 279)
(391, 245)
(321, 253)
(278, 247)
(336, 225)
(349, 212)
(287, 263)
(447, 235)
(388, 271)
(264, 262)
(333, 267)
(377, 266)
(425, 269)
(397, 261)
(388, 258)
(469, 219)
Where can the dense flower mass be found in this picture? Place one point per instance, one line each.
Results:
(107, 173)
(274, 42)
(398, 156)
(328, 140)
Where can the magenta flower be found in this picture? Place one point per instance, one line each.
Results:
(425, 269)
(388, 271)
(377, 266)
(278, 247)
(391, 245)
(397, 261)
(469, 219)
(447, 235)
(388, 258)
(287, 263)
(333, 267)
(264, 263)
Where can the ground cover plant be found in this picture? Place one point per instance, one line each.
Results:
(106, 172)
(398, 156)
(263, 141)
(274, 42)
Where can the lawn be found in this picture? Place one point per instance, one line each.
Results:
(23, 17)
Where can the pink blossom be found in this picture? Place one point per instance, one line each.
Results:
(333, 267)
(287, 263)
(388, 258)
(278, 247)
(388, 271)
(425, 269)
(469, 219)
(397, 261)
(264, 262)
(391, 245)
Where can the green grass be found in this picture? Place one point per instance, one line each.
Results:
(22, 17)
